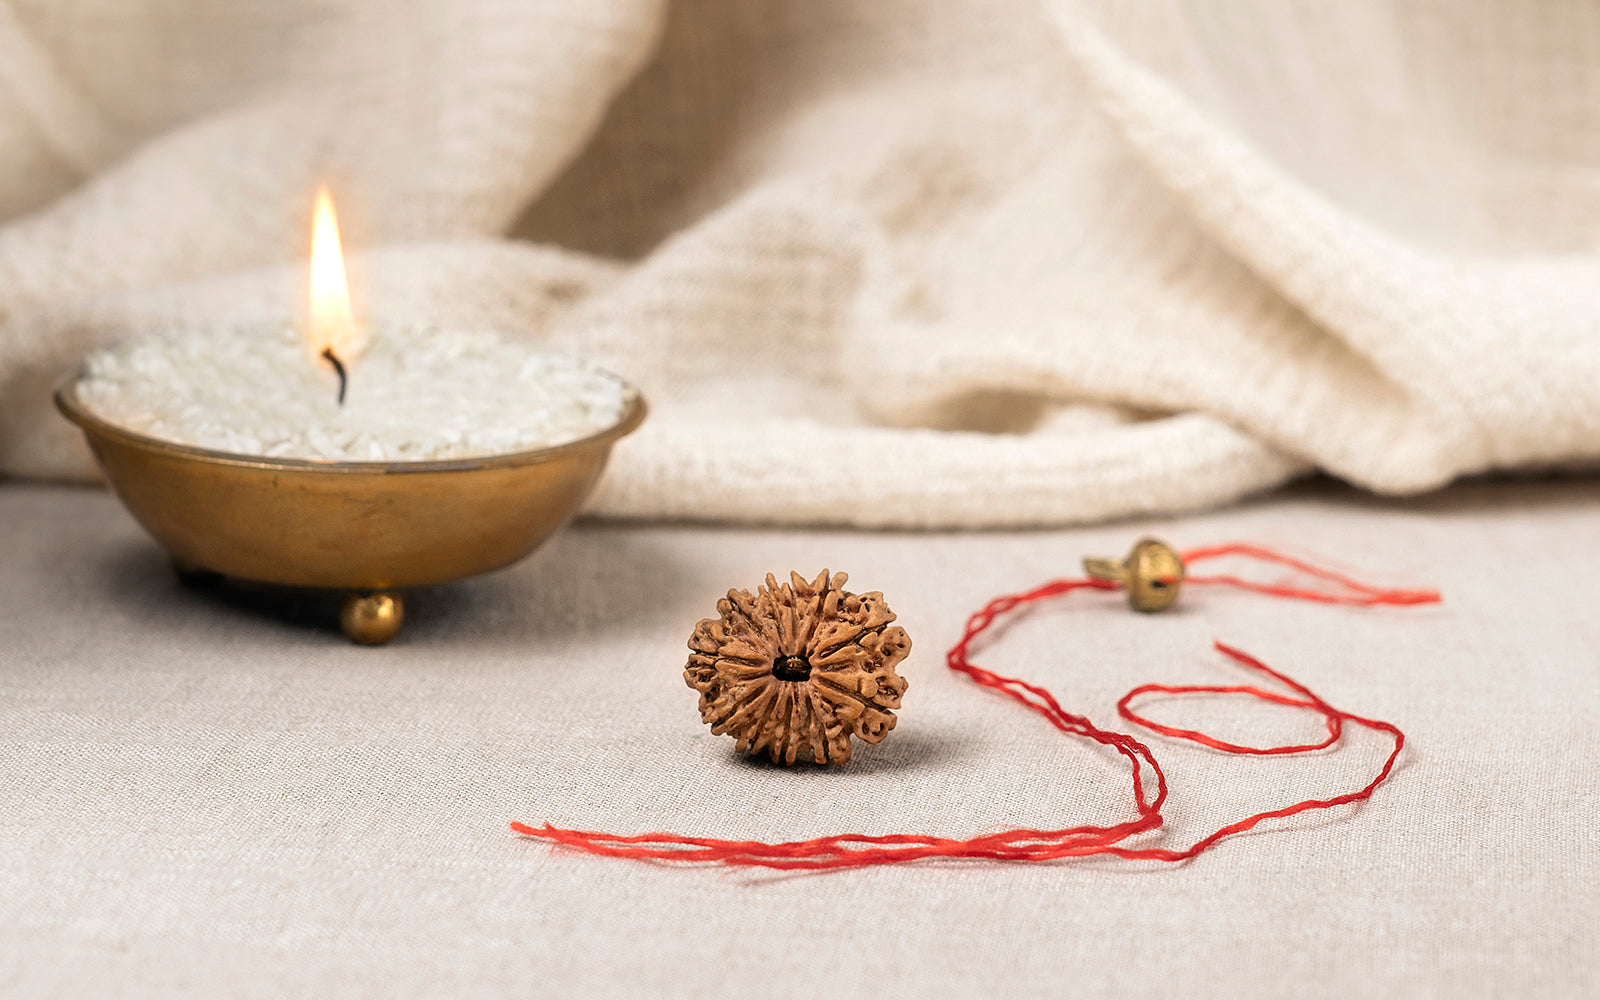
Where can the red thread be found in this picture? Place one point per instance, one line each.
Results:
(1355, 592)
(851, 850)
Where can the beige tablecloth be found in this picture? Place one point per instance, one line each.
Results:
(201, 796)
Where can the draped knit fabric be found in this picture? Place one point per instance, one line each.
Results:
(903, 263)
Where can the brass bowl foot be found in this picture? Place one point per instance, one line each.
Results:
(372, 618)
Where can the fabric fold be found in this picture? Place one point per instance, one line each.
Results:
(901, 265)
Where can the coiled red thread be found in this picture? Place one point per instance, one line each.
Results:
(852, 850)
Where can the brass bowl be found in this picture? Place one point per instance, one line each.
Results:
(364, 527)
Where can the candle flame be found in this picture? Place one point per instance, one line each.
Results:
(333, 324)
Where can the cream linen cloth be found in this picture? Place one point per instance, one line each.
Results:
(955, 263)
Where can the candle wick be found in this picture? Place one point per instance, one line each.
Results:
(338, 366)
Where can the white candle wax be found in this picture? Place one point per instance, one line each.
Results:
(414, 394)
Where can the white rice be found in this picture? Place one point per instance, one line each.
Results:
(415, 394)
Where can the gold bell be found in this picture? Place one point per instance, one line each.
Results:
(1152, 574)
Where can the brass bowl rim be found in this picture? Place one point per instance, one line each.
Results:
(73, 408)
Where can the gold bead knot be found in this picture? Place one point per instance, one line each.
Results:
(1152, 574)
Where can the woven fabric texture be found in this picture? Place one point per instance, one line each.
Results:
(1102, 258)
(205, 795)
